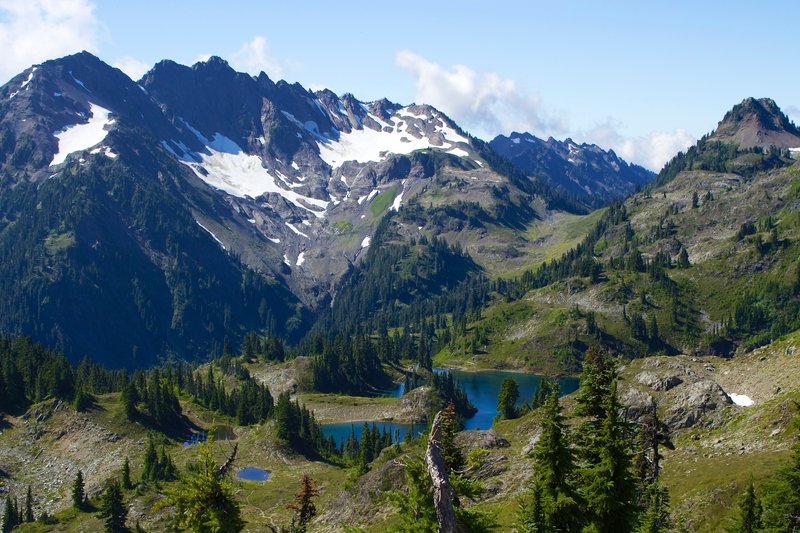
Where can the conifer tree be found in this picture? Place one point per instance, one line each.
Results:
(78, 492)
(9, 518)
(205, 500)
(150, 469)
(415, 507)
(656, 518)
(28, 517)
(506, 400)
(130, 397)
(450, 452)
(610, 486)
(750, 510)
(113, 510)
(554, 502)
(126, 475)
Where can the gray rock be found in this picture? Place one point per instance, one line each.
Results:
(659, 383)
(693, 403)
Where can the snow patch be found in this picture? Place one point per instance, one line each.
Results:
(276, 241)
(83, 136)
(212, 234)
(286, 260)
(367, 144)
(365, 242)
(105, 150)
(79, 82)
(225, 166)
(367, 197)
(294, 229)
(398, 200)
(295, 166)
(301, 258)
(460, 152)
(741, 399)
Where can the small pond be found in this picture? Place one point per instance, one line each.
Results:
(483, 387)
(224, 432)
(252, 473)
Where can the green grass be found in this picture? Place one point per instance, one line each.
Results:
(382, 201)
(60, 242)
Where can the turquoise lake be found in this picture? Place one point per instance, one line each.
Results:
(482, 388)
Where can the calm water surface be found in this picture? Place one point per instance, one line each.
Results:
(483, 387)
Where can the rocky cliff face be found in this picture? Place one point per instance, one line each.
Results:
(588, 173)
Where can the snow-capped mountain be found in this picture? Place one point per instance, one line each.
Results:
(585, 171)
(201, 202)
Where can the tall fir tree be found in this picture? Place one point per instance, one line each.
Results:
(554, 502)
(78, 492)
(28, 517)
(127, 484)
(748, 519)
(507, 399)
(610, 485)
(113, 510)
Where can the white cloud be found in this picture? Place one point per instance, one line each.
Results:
(487, 104)
(255, 56)
(650, 151)
(131, 66)
(794, 113)
(482, 102)
(32, 31)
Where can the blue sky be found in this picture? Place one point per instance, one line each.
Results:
(643, 78)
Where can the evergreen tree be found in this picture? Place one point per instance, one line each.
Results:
(656, 518)
(599, 371)
(781, 497)
(82, 400)
(506, 400)
(205, 500)
(554, 504)
(749, 517)
(130, 397)
(28, 517)
(150, 468)
(78, 492)
(113, 510)
(683, 259)
(415, 507)
(9, 516)
(450, 452)
(126, 475)
(610, 486)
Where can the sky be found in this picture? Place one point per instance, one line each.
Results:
(645, 79)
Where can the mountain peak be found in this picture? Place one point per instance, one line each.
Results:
(757, 122)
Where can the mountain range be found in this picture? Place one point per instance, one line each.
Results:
(157, 217)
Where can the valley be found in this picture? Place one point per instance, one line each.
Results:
(326, 282)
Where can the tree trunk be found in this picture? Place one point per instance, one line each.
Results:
(442, 491)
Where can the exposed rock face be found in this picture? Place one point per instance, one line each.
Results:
(757, 123)
(684, 389)
(585, 171)
(693, 402)
(658, 383)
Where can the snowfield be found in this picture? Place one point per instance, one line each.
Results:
(401, 135)
(228, 168)
(83, 136)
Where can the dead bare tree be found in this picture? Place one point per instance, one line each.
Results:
(440, 477)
